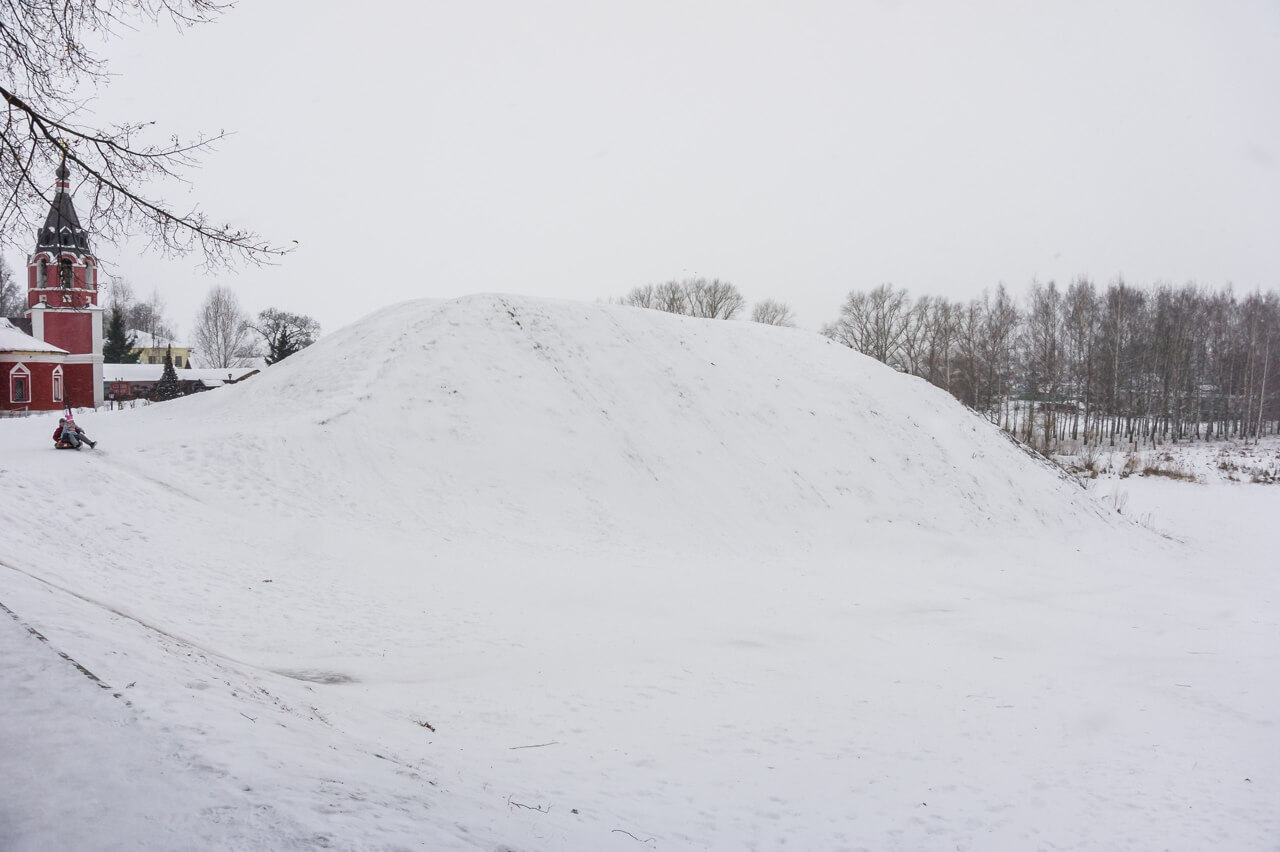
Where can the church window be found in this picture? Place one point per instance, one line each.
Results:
(20, 384)
(57, 384)
(65, 273)
(42, 272)
(90, 276)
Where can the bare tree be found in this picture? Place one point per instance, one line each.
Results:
(12, 297)
(641, 297)
(770, 312)
(915, 336)
(714, 299)
(222, 330)
(119, 293)
(999, 343)
(873, 323)
(143, 316)
(693, 297)
(1080, 314)
(285, 333)
(47, 63)
(672, 298)
(970, 369)
(944, 318)
(1043, 358)
(1259, 341)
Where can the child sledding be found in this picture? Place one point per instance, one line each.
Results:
(69, 436)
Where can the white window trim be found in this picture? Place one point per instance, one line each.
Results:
(59, 390)
(18, 370)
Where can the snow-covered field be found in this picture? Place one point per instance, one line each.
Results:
(508, 574)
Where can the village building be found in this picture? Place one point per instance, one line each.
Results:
(151, 350)
(51, 357)
(125, 382)
(34, 371)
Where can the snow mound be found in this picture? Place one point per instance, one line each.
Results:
(500, 573)
(528, 418)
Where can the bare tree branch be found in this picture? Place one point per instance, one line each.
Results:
(46, 65)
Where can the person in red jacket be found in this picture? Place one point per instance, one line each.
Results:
(70, 435)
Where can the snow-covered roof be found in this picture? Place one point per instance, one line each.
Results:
(15, 340)
(143, 340)
(152, 373)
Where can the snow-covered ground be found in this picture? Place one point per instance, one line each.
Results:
(508, 574)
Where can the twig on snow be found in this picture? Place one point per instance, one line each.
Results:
(537, 808)
(537, 745)
(633, 837)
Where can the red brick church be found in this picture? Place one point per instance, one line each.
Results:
(51, 357)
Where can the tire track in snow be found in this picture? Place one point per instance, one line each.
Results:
(307, 675)
(63, 654)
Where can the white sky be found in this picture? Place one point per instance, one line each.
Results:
(797, 149)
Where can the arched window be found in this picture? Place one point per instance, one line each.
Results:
(57, 383)
(90, 275)
(42, 272)
(65, 274)
(19, 384)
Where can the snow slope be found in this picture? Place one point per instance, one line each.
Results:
(502, 573)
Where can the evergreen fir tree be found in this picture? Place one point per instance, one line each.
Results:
(167, 387)
(120, 344)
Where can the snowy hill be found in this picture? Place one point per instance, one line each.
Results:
(502, 573)
(540, 418)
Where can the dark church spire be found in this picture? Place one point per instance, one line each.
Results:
(62, 231)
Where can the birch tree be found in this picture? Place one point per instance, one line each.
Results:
(222, 334)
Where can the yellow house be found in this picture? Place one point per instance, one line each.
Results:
(151, 350)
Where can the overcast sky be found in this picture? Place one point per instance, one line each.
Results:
(797, 149)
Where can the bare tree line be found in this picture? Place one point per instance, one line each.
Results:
(694, 297)
(1087, 364)
(708, 299)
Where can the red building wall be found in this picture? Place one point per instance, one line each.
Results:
(41, 386)
(79, 384)
(69, 330)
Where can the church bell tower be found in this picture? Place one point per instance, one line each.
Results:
(62, 296)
